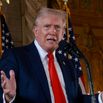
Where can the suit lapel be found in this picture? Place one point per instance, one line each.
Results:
(38, 69)
(67, 70)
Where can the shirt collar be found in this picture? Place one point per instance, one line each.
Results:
(41, 51)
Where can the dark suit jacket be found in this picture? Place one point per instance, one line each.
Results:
(32, 85)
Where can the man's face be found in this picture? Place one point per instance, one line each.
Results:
(49, 31)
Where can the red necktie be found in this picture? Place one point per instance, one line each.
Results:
(55, 83)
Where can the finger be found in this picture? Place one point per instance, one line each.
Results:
(3, 76)
(12, 75)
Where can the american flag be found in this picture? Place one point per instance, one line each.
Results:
(72, 56)
(6, 40)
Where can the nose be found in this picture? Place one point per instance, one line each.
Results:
(53, 29)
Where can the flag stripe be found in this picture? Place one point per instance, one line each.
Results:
(76, 59)
(82, 86)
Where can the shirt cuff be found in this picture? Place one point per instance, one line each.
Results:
(4, 101)
(99, 98)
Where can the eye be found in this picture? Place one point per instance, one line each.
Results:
(46, 27)
(57, 27)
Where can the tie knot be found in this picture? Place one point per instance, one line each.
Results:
(50, 56)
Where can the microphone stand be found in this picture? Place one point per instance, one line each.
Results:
(81, 56)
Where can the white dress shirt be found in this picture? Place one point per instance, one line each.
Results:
(43, 55)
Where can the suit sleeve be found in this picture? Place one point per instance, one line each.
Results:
(7, 62)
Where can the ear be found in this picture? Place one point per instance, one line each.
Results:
(35, 30)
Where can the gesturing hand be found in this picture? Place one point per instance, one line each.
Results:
(8, 85)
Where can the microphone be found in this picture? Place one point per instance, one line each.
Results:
(73, 49)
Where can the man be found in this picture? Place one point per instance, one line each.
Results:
(25, 71)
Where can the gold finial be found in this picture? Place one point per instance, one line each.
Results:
(66, 6)
(8, 1)
(65, 1)
(1, 4)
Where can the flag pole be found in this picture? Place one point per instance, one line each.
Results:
(67, 17)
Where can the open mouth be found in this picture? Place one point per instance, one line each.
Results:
(51, 39)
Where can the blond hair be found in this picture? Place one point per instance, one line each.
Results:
(45, 11)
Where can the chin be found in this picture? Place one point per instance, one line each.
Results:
(50, 49)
